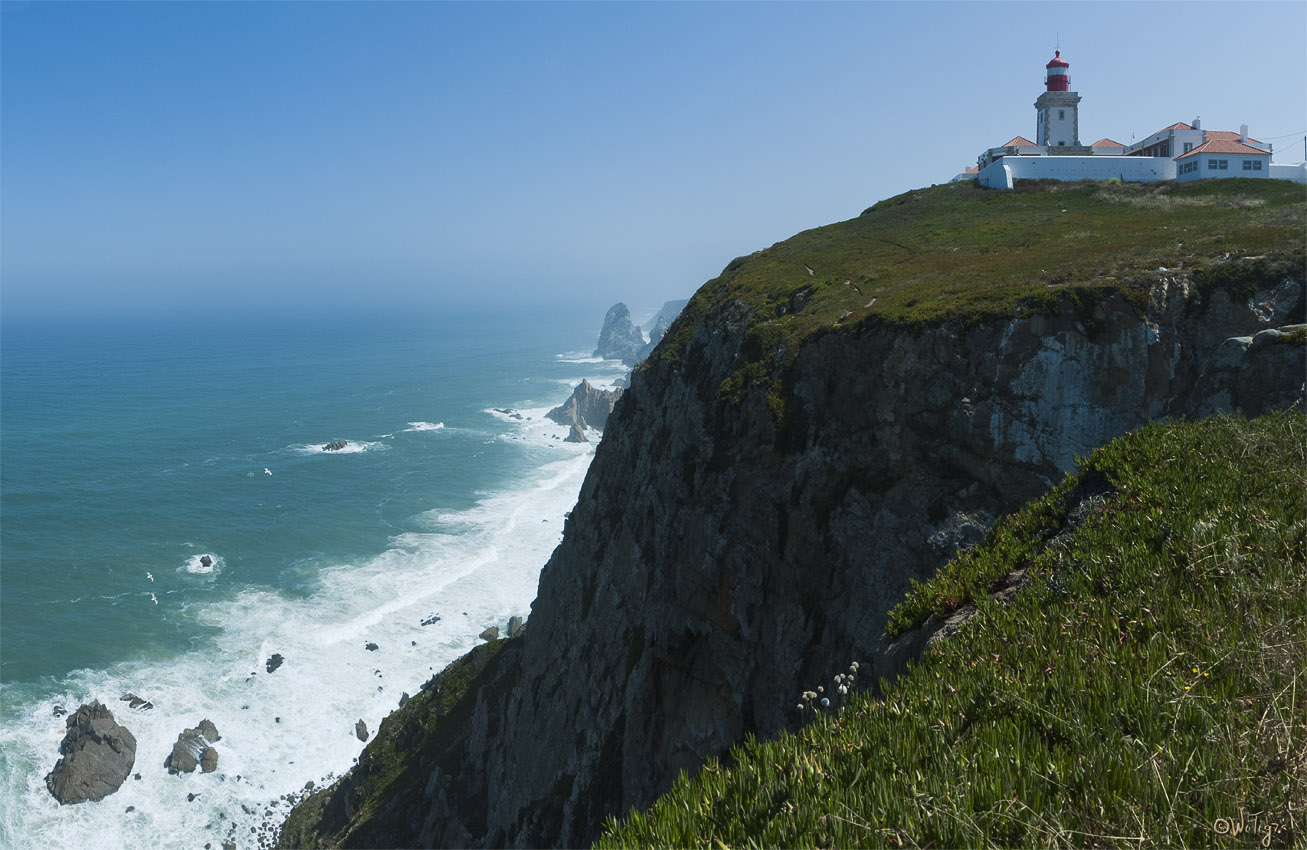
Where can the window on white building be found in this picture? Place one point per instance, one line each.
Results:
(1247, 165)
(1257, 165)
(1224, 164)
(1188, 146)
(1211, 165)
(1061, 115)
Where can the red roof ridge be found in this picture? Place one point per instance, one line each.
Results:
(1179, 125)
(1227, 135)
(1018, 141)
(1224, 146)
(1106, 143)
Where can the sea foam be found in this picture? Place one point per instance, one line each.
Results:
(282, 729)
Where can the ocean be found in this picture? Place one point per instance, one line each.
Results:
(131, 450)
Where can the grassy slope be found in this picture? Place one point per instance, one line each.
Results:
(1148, 681)
(961, 252)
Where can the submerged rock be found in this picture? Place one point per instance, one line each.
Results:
(98, 755)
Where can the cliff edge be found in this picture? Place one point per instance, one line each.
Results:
(827, 421)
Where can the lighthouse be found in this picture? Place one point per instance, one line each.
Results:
(1058, 122)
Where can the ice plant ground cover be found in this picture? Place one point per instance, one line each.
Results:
(1146, 686)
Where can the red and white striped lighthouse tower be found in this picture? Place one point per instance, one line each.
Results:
(1059, 73)
(1058, 114)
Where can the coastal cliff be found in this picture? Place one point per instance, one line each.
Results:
(826, 422)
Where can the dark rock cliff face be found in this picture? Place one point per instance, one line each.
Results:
(726, 554)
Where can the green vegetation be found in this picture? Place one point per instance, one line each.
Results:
(958, 252)
(1146, 685)
(388, 775)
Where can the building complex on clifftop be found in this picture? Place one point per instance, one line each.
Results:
(1182, 152)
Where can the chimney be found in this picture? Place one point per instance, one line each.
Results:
(1243, 133)
(1198, 123)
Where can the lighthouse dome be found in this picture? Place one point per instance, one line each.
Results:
(1058, 77)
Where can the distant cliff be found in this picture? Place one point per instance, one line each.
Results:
(825, 422)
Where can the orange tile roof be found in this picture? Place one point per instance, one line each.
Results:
(975, 169)
(1106, 143)
(1224, 146)
(1226, 136)
(1179, 125)
(1017, 141)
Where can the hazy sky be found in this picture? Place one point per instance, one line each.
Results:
(261, 154)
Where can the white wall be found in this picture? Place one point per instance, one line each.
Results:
(1295, 171)
(1131, 169)
(1234, 167)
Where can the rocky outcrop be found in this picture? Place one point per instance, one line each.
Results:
(659, 324)
(274, 662)
(98, 755)
(587, 407)
(619, 339)
(194, 748)
(736, 541)
(490, 633)
(335, 445)
(575, 435)
(516, 627)
(361, 730)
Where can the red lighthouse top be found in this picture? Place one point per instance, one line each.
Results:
(1059, 77)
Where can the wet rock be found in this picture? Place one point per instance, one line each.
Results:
(371, 647)
(516, 627)
(274, 662)
(361, 730)
(335, 445)
(492, 633)
(431, 620)
(98, 755)
(133, 701)
(206, 560)
(194, 749)
(59, 711)
(403, 699)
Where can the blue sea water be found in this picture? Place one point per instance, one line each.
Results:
(130, 450)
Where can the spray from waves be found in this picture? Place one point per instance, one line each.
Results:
(425, 426)
(350, 447)
(282, 729)
(203, 564)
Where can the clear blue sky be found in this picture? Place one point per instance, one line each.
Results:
(183, 155)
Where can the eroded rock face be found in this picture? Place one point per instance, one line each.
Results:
(588, 407)
(619, 339)
(722, 558)
(98, 755)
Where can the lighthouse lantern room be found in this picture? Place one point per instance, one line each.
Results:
(1057, 112)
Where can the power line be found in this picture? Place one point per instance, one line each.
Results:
(1285, 136)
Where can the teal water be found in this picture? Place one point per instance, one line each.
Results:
(128, 451)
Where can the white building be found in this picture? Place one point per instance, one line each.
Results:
(1181, 151)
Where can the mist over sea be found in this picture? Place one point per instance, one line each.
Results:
(130, 450)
